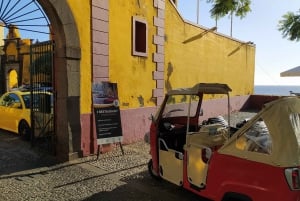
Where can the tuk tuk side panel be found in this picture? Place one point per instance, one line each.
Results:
(154, 147)
(252, 179)
(196, 167)
(171, 166)
(178, 131)
(166, 162)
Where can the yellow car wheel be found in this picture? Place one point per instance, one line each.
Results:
(24, 130)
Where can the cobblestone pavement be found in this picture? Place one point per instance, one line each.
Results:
(26, 174)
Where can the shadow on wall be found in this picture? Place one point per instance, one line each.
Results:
(169, 73)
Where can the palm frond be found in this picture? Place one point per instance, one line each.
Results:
(289, 25)
(221, 8)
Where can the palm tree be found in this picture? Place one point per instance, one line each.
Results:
(290, 26)
(221, 8)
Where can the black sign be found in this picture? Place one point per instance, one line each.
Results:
(107, 113)
(108, 124)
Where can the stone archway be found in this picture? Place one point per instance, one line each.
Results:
(11, 74)
(66, 78)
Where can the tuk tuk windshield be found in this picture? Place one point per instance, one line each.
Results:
(178, 105)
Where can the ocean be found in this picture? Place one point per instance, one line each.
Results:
(275, 90)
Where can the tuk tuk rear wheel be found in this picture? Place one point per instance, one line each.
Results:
(151, 172)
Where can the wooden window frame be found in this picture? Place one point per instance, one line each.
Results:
(139, 37)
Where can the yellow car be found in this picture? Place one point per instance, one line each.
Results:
(15, 111)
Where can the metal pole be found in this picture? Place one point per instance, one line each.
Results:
(231, 23)
(189, 113)
(198, 11)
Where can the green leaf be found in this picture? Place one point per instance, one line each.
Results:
(289, 26)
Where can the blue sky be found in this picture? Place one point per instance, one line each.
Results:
(274, 54)
(27, 16)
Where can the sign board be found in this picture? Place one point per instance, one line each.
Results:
(107, 113)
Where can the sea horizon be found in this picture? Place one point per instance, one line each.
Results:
(280, 90)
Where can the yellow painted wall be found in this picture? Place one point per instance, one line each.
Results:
(1, 34)
(11, 49)
(12, 75)
(133, 74)
(210, 58)
(82, 15)
(26, 60)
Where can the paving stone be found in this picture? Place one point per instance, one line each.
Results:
(27, 174)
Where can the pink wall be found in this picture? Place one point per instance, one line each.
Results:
(135, 122)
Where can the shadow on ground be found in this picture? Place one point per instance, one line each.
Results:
(17, 155)
(142, 186)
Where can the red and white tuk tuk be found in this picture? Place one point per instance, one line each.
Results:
(258, 162)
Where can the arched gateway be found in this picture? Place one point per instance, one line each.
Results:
(61, 24)
(67, 77)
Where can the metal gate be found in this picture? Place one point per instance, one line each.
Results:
(42, 96)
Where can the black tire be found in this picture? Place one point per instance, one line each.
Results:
(151, 172)
(24, 130)
(236, 197)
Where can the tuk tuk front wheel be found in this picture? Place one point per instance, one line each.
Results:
(151, 172)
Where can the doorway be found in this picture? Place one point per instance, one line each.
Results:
(53, 21)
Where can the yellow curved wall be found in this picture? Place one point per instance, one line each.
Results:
(133, 74)
(209, 57)
(82, 14)
(212, 58)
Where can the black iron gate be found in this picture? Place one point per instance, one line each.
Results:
(42, 96)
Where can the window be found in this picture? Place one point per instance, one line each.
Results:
(140, 35)
(9, 100)
(178, 105)
(4, 100)
(26, 99)
(256, 139)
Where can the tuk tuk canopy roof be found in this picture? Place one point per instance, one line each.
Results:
(294, 72)
(206, 88)
(283, 129)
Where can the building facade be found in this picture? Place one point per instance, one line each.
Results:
(147, 48)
